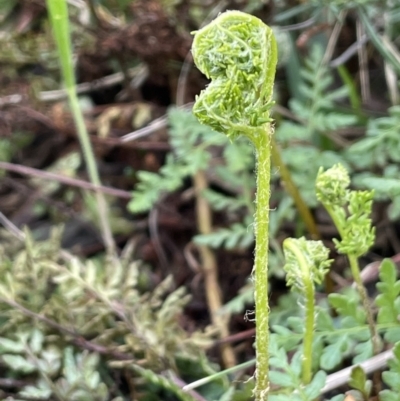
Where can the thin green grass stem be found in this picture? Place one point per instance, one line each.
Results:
(58, 13)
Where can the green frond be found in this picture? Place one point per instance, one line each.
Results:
(392, 377)
(350, 210)
(355, 343)
(238, 53)
(357, 233)
(238, 235)
(152, 186)
(388, 300)
(305, 260)
(332, 186)
(316, 108)
(219, 201)
(287, 375)
(381, 145)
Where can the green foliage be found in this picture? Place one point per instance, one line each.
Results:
(105, 302)
(380, 149)
(65, 373)
(392, 377)
(164, 383)
(152, 185)
(305, 260)
(388, 300)
(71, 300)
(237, 235)
(350, 210)
(358, 235)
(315, 109)
(287, 375)
(238, 53)
(381, 145)
(305, 142)
(191, 144)
(306, 265)
(385, 186)
(358, 343)
(358, 380)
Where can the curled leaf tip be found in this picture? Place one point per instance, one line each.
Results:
(332, 185)
(237, 51)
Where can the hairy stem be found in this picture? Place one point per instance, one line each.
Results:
(355, 271)
(260, 272)
(238, 53)
(308, 292)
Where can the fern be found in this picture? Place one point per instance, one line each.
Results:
(316, 107)
(381, 145)
(388, 300)
(193, 147)
(380, 148)
(304, 173)
(237, 235)
(386, 187)
(392, 377)
(288, 376)
(352, 315)
(152, 185)
(317, 116)
(189, 141)
(223, 202)
(358, 381)
(72, 301)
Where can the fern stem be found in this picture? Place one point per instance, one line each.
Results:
(232, 106)
(260, 271)
(355, 271)
(308, 291)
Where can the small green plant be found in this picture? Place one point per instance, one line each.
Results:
(316, 117)
(350, 212)
(379, 151)
(306, 265)
(317, 341)
(238, 53)
(44, 335)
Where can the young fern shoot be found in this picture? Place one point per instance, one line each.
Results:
(238, 53)
(350, 212)
(306, 265)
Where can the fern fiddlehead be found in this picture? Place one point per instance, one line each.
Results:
(350, 212)
(306, 265)
(238, 53)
